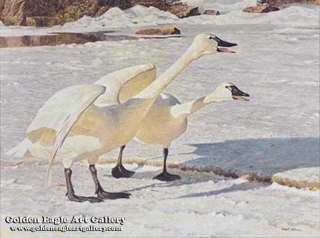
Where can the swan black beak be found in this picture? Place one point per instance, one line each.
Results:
(223, 43)
(237, 94)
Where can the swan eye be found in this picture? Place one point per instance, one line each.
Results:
(214, 38)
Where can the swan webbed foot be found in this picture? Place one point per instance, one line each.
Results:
(70, 191)
(167, 177)
(100, 191)
(121, 172)
(106, 195)
(75, 198)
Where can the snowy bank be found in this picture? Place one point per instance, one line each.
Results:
(299, 178)
(117, 18)
(294, 16)
(140, 16)
(222, 6)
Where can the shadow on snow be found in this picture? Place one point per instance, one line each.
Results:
(263, 156)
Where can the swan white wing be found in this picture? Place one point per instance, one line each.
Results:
(89, 94)
(125, 83)
(62, 104)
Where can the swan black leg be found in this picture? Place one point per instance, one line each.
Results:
(165, 176)
(99, 190)
(70, 190)
(119, 171)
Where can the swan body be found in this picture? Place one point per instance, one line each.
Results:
(166, 120)
(159, 126)
(108, 116)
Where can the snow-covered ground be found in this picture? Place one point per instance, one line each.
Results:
(275, 134)
(200, 205)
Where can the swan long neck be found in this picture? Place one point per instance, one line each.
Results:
(186, 109)
(154, 89)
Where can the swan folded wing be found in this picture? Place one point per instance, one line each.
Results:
(62, 104)
(90, 94)
(125, 83)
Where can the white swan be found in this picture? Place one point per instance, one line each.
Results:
(113, 89)
(92, 125)
(166, 120)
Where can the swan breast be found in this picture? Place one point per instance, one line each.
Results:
(159, 127)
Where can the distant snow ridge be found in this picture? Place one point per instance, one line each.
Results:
(294, 16)
(116, 18)
(151, 15)
(223, 6)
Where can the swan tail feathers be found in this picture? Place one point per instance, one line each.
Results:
(21, 150)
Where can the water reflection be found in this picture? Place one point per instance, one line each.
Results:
(64, 38)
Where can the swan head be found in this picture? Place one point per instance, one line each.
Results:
(226, 92)
(204, 44)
